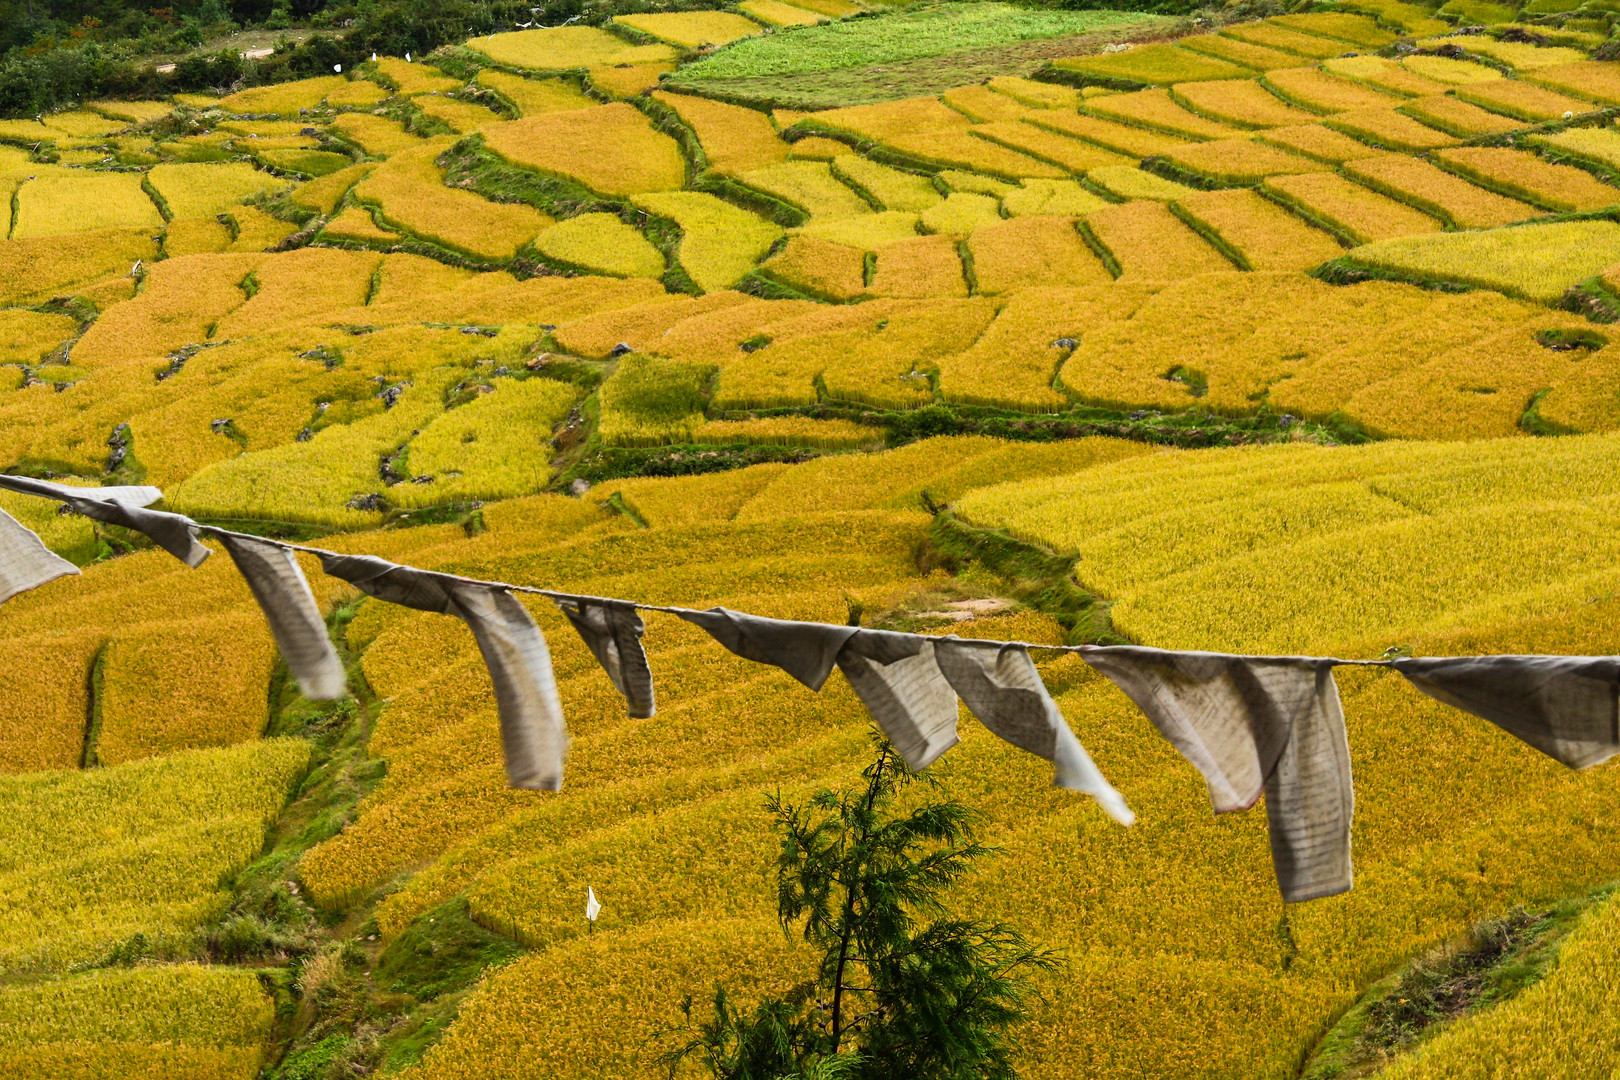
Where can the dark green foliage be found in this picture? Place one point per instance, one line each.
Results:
(903, 990)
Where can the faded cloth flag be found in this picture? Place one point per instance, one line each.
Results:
(123, 506)
(1564, 706)
(25, 562)
(1253, 724)
(279, 585)
(533, 735)
(1001, 687)
(896, 677)
(612, 630)
(805, 650)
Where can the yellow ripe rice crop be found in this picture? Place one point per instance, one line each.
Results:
(1522, 174)
(409, 78)
(97, 855)
(1386, 129)
(409, 193)
(1399, 360)
(982, 105)
(125, 1061)
(649, 402)
(190, 1006)
(1590, 79)
(132, 112)
(890, 188)
(1033, 250)
(864, 232)
(955, 180)
(83, 124)
(56, 204)
(356, 224)
(1156, 65)
(314, 481)
(790, 431)
(1263, 234)
(301, 286)
(566, 48)
(692, 29)
(817, 148)
(601, 244)
(923, 266)
(531, 96)
(1036, 95)
(1315, 141)
(30, 131)
(263, 129)
(611, 149)
(376, 135)
(1242, 53)
(323, 195)
(1356, 29)
(720, 243)
(887, 120)
(1537, 262)
(1240, 161)
(1012, 364)
(1427, 188)
(43, 728)
(1521, 56)
(1157, 110)
(625, 81)
(202, 190)
(1522, 100)
(1121, 138)
(961, 213)
(462, 117)
(1411, 18)
(1313, 89)
(833, 9)
(495, 447)
(1446, 113)
(961, 150)
(1450, 71)
(1348, 209)
(1594, 145)
(1240, 102)
(641, 325)
(1151, 244)
(162, 691)
(1045, 145)
(304, 162)
(1061, 197)
(1272, 36)
(809, 185)
(26, 337)
(285, 99)
(1129, 182)
(357, 94)
(776, 13)
(1385, 75)
(818, 268)
(734, 139)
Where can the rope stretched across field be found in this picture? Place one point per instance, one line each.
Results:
(1251, 725)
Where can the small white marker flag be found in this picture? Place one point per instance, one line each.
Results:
(591, 906)
(338, 68)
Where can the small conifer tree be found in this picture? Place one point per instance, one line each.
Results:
(902, 990)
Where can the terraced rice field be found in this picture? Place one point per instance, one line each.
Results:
(1283, 335)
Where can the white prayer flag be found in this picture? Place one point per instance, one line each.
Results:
(591, 906)
(338, 68)
(407, 58)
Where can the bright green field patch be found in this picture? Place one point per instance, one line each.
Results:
(906, 35)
